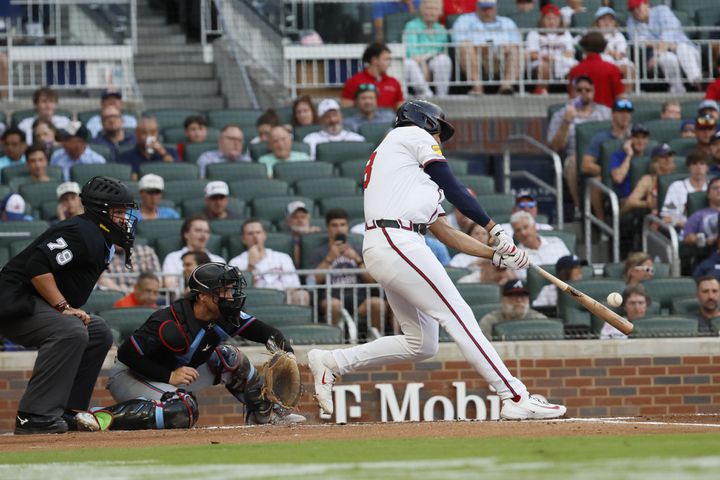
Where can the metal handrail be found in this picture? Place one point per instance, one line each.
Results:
(557, 190)
(671, 241)
(613, 230)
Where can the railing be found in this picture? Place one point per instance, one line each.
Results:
(557, 190)
(668, 245)
(613, 230)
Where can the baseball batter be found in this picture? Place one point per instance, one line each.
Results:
(405, 181)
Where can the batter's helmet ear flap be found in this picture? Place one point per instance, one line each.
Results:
(425, 115)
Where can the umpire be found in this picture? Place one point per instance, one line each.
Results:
(41, 290)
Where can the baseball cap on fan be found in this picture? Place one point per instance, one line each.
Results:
(487, 3)
(67, 187)
(218, 188)
(327, 105)
(295, 206)
(151, 182)
(14, 207)
(515, 287)
(633, 4)
(569, 261)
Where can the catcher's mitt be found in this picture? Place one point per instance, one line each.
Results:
(282, 380)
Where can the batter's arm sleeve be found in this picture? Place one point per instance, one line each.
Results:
(457, 193)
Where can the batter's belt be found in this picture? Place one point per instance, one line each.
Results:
(420, 228)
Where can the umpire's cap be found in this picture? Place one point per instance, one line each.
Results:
(425, 115)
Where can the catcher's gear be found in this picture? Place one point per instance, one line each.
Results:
(282, 380)
(213, 278)
(515, 261)
(503, 243)
(425, 115)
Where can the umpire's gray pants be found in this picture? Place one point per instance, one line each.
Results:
(69, 359)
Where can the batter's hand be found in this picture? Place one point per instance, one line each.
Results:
(183, 376)
(515, 261)
(503, 243)
(76, 312)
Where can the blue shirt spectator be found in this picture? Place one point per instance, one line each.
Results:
(439, 250)
(74, 151)
(661, 25)
(137, 157)
(469, 28)
(6, 161)
(709, 266)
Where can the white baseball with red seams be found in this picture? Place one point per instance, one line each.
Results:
(421, 294)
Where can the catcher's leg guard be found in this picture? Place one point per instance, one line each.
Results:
(174, 410)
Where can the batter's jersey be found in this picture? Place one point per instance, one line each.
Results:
(395, 182)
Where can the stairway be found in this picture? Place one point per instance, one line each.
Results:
(170, 71)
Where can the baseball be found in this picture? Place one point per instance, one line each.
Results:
(614, 299)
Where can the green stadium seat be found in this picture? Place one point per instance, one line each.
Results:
(229, 226)
(165, 245)
(235, 171)
(301, 132)
(248, 190)
(479, 293)
(375, 132)
(86, 115)
(20, 115)
(615, 270)
(275, 208)
(664, 326)
(690, 108)
(170, 171)
(194, 206)
(125, 321)
(352, 204)
(693, 5)
(257, 150)
(663, 183)
(313, 334)
(194, 150)
(4, 256)
(526, 20)
(460, 167)
(499, 205)
(14, 231)
(241, 116)
(569, 238)
(551, 109)
(285, 315)
(5, 190)
(583, 19)
(102, 150)
(572, 313)
(338, 152)
(180, 190)
(285, 114)
(540, 329)
(319, 188)
(260, 297)
(294, 171)
(14, 171)
(479, 311)
(707, 17)
(82, 173)
(354, 169)
(177, 135)
(100, 300)
(682, 146)
(456, 273)
(664, 290)
(664, 130)
(646, 111)
(170, 117)
(480, 184)
(278, 241)
(393, 25)
(696, 201)
(685, 306)
(153, 230)
(18, 246)
(584, 133)
(638, 167)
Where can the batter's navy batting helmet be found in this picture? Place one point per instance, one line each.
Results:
(425, 115)
(213, 277)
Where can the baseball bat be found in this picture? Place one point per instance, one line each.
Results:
(592, 305)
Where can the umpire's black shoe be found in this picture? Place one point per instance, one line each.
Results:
(29, 424)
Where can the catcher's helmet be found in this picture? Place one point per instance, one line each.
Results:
(425, 115)
(213, 277)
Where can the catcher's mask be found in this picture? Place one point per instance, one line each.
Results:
(217, 279)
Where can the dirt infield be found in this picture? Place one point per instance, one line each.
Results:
(298, 433)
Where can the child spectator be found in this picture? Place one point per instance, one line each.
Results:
(635, 303)
(196, 131)
(303, 112)
(551, 53)
(673, 209)
(616, 49)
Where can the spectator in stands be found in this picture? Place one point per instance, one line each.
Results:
(491, 40)
(674, 207)
(148, 147)
(616, 50)
(606, 76)
(367, 110)
(13, 143)
(704, 222)
(635, 303)
(525, 201)
(380, 10)
(572, 7)
(12, 209)
(715, 154)
(711, 265)
(303, 112)
(567, 269)
(45, 100)
(113, 134)
(110, 98)
(230, 149)
(68, 201)
(331, 122)
(117, 277)
(196, 131)
(298, 222)
(713, 90)
(514, 306)
(194, 234)
(145, 292)
(639, 267)
(643, 198)
(426, 59)
(456, 8)
(671, 110)
(75, 150)
(621, 160)
(619, 130)
(541, 250)
(524, 6)
(667, 46)
(551, 53)
(217, 198)
(280, 144)
(709, 107)
(151, 188)
(37, 162)
(45, 134)
(376, 59)
(482, 271)
(705, 128)
(561, 132)
(190, 261)
(338, 253)
(264, 124)
(708, 295)
(687, 129)
(269, 268)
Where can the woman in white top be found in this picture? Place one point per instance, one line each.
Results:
(635, 304)
(616, 50)
(550, 53)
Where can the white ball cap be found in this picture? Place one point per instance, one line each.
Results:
(151, 182)
(67, 187)
(327, 105)
(217, 188)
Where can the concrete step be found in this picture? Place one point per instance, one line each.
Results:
(168, 39)
(164, 71)
(159, 30)
(193, 103)
(151, 21)
(180, 88)
(168, 50)
(155, 59)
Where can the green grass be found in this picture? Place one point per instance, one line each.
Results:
(689, 456)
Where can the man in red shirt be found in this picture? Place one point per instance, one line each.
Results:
(376, 59)
(144, 294)
(713, 90)
(605, 76)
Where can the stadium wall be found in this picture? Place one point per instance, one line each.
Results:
(593, 378)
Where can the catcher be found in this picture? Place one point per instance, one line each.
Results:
(180, 349)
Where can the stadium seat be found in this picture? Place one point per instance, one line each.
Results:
(241, 116)
(707, 17)
(100, 300)
(715, 322)
(638, 167)
(235, 170)
(301, 132)
(480, 184)
(170, 171)
(540, 329)
(313, 334)
(572, 313)
(352, 204)
(180, 190)
(260, 297)
(276, 315)
(664, 326)
(685, 306)
(248, 190)
(257, 150)
(693, 5)
(194, 150)
(319, 188)
(14, 231)
(459, 167)
(682, 147)
(5, 190)
(82, 173)
(4, 256)
(165, 245)
(690, 108)
(15, 171)
(584, 133)
(354, 169)
(163, 228)
(526, 20)
(479, 293)
(664, 130)
(583, 19)
(177, 135)
(393, 25)
(338, 152)
(194, 206)
(229, 226)
(615, 270)
(18, 246)
(663, 183)
(20, 115)
(646, 111)
(499, 205)
(125, 321)
(569, 238)
(664, 290)
(170, 117)
(102, 150)
(456, 273)
(696, 201)
(275, 208)
(278, 241)
(479, 311)
(294, 171)
(375, 132)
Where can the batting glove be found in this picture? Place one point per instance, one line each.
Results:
(515, 261)
(503, 243)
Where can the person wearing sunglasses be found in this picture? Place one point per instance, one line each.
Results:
(705, 128)
(367, 110)
(525, 202)
(606, 76)
(639, 267)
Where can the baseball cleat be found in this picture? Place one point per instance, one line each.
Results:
(86, 422)
(530, 408)
(324, 380)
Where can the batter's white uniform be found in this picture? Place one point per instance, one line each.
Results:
(419, 290)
